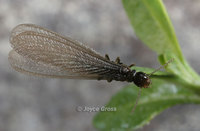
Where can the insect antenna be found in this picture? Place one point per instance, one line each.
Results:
(140, 90)
(137, 99)
(162, 66)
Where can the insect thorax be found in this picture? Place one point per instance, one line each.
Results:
(124, 74)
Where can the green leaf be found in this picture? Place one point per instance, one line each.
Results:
(152, 25)
(153, 100)
(182, 85)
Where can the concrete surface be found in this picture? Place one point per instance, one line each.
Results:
(29, 103)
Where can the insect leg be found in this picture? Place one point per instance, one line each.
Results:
(118, 60)
(100, 78)
(109, 80)
(131, 65)
(107, 57)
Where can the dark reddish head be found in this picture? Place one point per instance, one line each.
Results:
(141, 80)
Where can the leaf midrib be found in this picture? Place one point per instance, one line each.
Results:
(161, 27)
(175, 96)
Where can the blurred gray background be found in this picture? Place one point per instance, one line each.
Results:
(42, 104)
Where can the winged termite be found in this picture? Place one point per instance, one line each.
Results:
(38, 51)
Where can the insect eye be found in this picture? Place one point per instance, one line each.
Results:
(145, 77)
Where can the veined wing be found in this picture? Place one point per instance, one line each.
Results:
(38, 51)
